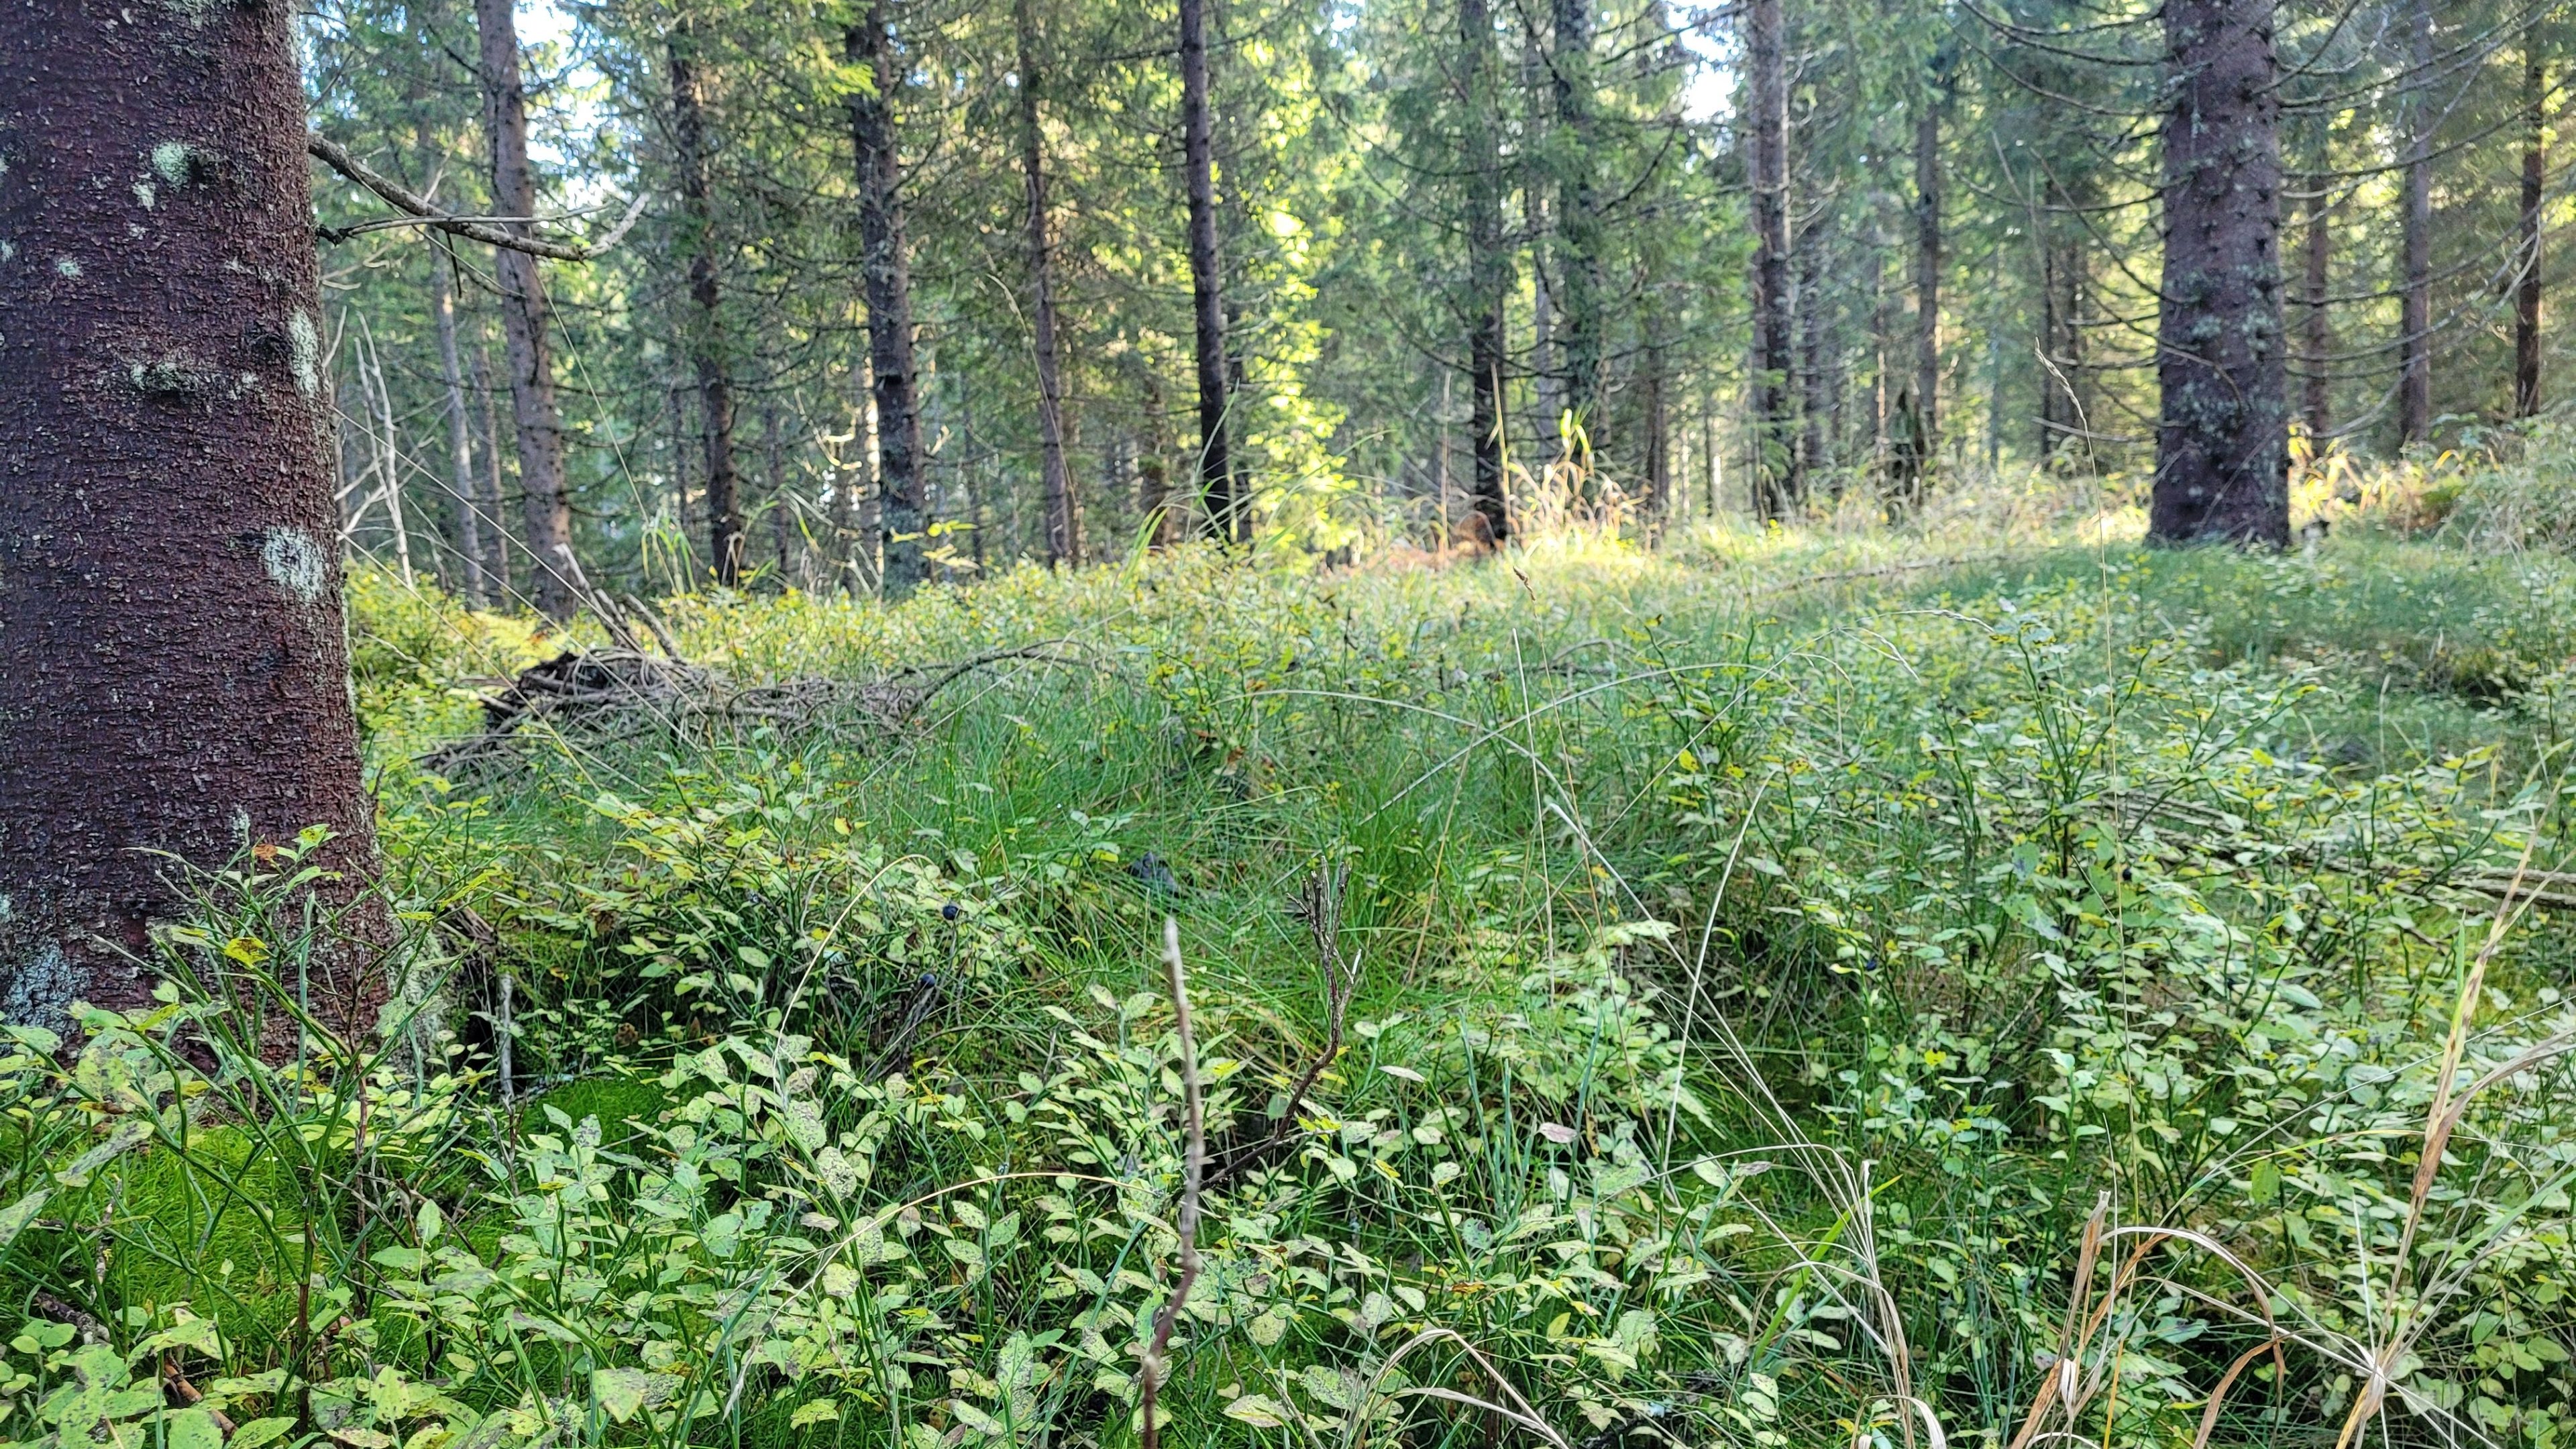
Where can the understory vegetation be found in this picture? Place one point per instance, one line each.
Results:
(1785, 988)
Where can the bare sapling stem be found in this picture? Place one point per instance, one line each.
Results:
(1193, 1169)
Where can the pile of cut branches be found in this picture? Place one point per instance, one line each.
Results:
(595, 697)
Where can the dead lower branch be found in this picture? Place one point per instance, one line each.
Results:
(419, 210)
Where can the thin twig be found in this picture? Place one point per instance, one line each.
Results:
(1195, 1166)
(1321, 909)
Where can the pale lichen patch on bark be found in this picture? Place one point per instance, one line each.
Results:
(176, 161)
(304, 352)
(41, 990)
(294, 562)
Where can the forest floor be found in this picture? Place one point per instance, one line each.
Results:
(1760, 991)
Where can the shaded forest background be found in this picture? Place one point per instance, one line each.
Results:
(1969, 220)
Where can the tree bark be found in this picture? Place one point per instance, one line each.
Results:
(2222, 440)
(782, 508)
(1814, 442)
(1779, 486)
(1063, 528)
(1207, 302)
(2317, 387)
(1578, 208)
(1154, 495)
(1922, 437)
(547, 506)
(2415, 225)
(1489, 268)
(173, 665)
(2527, 287)
(496, 564)
(460, 447)
(902, 507)
(725, 542)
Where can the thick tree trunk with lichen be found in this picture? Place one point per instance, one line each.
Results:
(2222, 440)
(546, 508)
(173, 670)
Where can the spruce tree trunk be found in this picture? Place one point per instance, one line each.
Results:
(547, 507)
(1922, 444)
(2222, 440)
(460, 447)
(2527, 287)
(496, 499)
(725, 543)
(173, 665)
(1207, 301)
(2415, 227)
(902, 505)
(1577, 208)
(1489, 270)
(1815, 409)
(1778, 486)
(1063, 528)
(2317, 387)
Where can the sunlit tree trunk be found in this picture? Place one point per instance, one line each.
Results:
(2222, 438)
(173, 666)
(547, 506)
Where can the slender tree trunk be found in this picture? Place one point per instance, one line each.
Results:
(902, 505)
(2222, 441)
(460, 447)
(1779, 485)
(1814, 447)
(2415, 224)
(496, 564)
(781, 506)
(1922, 444)
(1659, 456)
(1207, 303)
(523, 320)
(1063, 540)
(2317, 387)
(1578, 207)
(2535, 176)
(1489, 268)
(173, 666)
(725, 543)
(1154, 495)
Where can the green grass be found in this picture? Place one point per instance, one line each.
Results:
(1768, 947)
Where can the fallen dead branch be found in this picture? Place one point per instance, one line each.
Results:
(609, 695)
